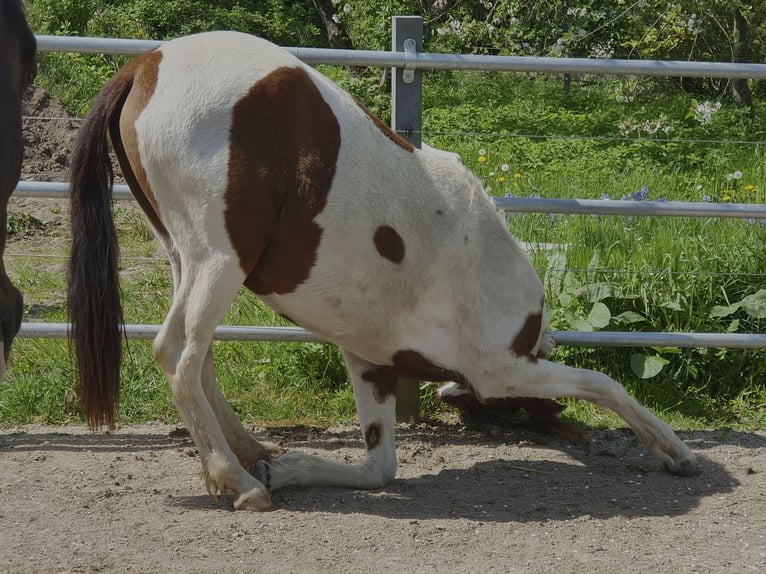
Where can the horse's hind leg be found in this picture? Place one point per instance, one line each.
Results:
(245, 446)
(205, 289)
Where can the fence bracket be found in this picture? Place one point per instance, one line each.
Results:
(410, 58)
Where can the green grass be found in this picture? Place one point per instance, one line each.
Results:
(614, 273)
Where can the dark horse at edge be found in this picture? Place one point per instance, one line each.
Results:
(18, 68)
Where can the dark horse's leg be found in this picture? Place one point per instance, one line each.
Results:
(17, 70)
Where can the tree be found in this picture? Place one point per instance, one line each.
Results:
(336, 31)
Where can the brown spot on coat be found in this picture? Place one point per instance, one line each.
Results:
(387, 131)
(372, 436)
(528, 336)
(384, 383)
(143, 72)
(389, 243)
(284, 145)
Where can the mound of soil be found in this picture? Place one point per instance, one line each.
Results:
(49, 130)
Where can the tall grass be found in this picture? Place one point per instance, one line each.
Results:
(609, 273)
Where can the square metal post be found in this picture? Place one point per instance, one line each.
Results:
(406, 120)
(407, 85)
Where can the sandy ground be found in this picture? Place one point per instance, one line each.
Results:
(465, 500)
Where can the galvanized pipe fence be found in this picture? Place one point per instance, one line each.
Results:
(407, 61)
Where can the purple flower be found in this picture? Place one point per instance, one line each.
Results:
(510, 194)
(706, 199)
(605, 196)
(641, 195)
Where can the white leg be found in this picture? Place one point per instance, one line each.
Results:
(544, 379)
(376, 406)
(203, 293)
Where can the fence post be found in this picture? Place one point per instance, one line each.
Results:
(406, 120)
(407, 84)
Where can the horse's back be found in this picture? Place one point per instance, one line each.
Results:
(337, 222)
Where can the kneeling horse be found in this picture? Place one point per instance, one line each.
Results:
(256, 170)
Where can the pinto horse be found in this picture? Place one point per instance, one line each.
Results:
(255, 169)
(17, 70)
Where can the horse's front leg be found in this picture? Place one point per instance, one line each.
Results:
(376, 406)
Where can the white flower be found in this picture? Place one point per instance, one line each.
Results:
(482, 151)
(703, 113)
(737, 175)
(504, 167)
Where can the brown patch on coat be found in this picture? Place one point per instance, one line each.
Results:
(143, 71)
(387, 131)
(284, 145)
(389, 243)
(528, 336)
(412, 365)
(384, 383)
(372, 436)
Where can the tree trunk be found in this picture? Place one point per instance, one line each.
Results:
(740, 88)
(336, 32)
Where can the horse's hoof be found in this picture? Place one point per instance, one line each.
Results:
(687, 469)
(255, 499)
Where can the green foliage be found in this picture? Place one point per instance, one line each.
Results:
(76, 78)
(61, 17)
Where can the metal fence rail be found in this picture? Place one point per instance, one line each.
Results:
(58, 190)
(413, 60)
(568, 338)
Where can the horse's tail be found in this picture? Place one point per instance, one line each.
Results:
(95, 311)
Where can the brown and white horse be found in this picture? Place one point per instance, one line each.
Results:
(255, 169)
(17, 70)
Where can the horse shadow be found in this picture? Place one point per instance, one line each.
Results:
(608, 474)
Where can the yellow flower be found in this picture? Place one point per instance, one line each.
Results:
(482, 159)
(726, 197)
(517, 175)
(501, 179)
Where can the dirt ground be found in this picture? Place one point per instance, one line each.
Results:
(484, 500)
(490, 499)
